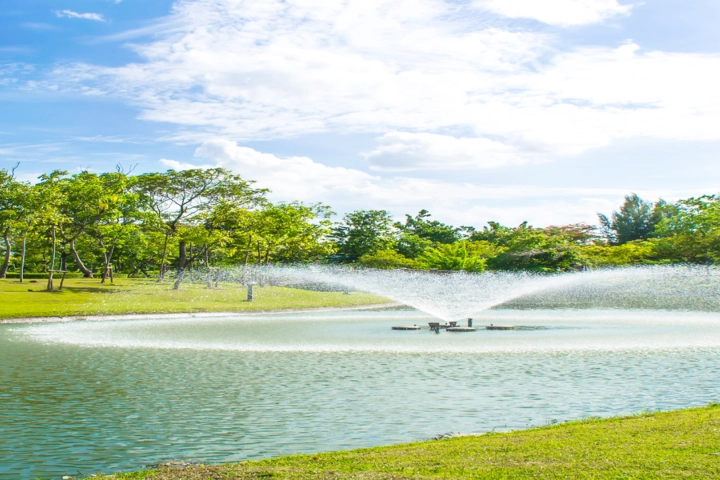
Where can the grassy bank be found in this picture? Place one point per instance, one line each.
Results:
(86, 296)
(680, 444)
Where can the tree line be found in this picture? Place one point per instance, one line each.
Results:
(154, 223)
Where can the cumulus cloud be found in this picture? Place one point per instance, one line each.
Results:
(12, 73)
(86, 16)
(412, 151)
(291, 177)
(557, 12)
(347, 189)
(266, 69)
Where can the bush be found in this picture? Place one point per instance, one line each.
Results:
(451, 257)
(386, 259)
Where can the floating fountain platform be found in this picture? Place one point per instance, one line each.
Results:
(406, 327)
(461, 329)
(499, 327)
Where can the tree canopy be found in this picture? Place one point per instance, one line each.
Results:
(196, 220)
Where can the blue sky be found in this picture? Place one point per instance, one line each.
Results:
(478, 110)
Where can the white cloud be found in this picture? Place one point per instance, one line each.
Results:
(557, 12)
(264, 69)
(412, 151)
(38, 26)
(86, 16)
(460, 203)
(291, 178)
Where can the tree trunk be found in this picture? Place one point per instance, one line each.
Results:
(182, 260)
(191, 262)
(51, 271)
(6, 261)
(81, 266)
(22, 261)
(107, 257)
(105, 268)
(247, 257)
(63, 260)
(161, 278)
(207, 266)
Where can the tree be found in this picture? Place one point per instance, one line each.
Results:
(637, 252)
(178, 198)
(636, 220)
(386, 260)
(363, 232)
(293, 232)
(121, 223)
(690, 231)
(451, 257)
(15, 210)
(412, 246)
(79, 203)
(527, 248)
(431, 230)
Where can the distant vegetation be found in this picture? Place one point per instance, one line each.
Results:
(145, 225)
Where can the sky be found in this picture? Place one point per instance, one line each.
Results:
(546, 111)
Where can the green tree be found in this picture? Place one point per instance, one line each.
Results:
(16, 209)
(537, 249)
(80, 202)
(635, 220)
(363, 232)
(690, 231)
(638, 252)
(386, 260)
(431, 230)
(451, 257)
(185, 197)
(412, 246)
(294, 233)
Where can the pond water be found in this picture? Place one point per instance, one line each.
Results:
(111, 396)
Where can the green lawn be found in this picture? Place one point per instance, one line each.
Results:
(86, 296)
(680, 444)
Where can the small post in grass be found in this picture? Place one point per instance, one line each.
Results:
(250, 291)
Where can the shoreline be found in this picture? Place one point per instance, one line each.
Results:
(662, 444)
(142, 316)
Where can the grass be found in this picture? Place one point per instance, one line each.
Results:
(679, 444)
(86, 296)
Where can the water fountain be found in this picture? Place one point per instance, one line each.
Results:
(453, 296)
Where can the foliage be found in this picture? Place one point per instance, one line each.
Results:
(637, 252)
(411, 245)
(690, 231)
(527, 248)
(430, 230)
(636, 220)
(385, 260)
(363, 232)
(454, 256)
(15, 213)
(202, 218)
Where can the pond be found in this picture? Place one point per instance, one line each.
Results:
(106, 396)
